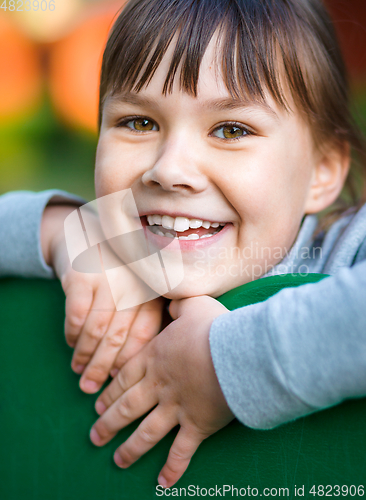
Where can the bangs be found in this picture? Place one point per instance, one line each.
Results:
(255, 39)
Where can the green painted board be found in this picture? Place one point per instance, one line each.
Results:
(45, 452)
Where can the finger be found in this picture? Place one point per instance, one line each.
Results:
(145, 326)
(79, 298)
(128, 376)
(183, 448)
(151, 430)
(131, 405)
(175, 308)
(95, 327)
(97, 370)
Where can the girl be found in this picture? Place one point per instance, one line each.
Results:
(229, 120)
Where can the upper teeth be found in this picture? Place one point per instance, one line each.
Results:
(180, 224)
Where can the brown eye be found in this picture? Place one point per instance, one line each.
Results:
(143, 124)
(138, 124)
(232, 132)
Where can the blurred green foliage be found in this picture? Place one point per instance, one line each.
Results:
(359, 107)
(42, 153)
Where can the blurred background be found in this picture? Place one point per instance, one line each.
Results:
(50, 58)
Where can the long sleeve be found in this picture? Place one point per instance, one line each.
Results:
(302, 350)
(20, 223)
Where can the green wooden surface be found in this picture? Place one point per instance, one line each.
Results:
(259, 290)
(45, 452)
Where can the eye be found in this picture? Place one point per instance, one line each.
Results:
(139, 124)
(230, 131)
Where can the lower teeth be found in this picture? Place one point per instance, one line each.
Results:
(192, 236)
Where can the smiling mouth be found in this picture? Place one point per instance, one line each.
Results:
(181, 228)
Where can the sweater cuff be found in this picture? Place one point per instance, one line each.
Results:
(20, 229)
(250, 377)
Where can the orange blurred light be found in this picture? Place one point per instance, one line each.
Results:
(75, 63)
(51, 21)
(20, 73)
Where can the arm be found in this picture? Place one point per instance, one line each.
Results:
(20, 229)
(300, 351)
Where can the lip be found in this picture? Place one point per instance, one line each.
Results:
(181, 214)
(182, 245)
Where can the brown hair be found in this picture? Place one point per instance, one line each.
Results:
(252, 34)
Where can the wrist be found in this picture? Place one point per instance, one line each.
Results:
(52, 230)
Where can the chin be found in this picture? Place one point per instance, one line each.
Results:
(178, 294)
(183, 291)
(187, 290)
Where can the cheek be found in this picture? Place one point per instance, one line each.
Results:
(253, 191)
(113, 168)
(269, 196)
(104, 169)
(277, 184)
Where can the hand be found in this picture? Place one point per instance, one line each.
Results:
(175, 372)
(104, 339)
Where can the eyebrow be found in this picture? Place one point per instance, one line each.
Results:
(220, 104)
(229, 103)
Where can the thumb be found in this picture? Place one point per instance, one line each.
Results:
(176, 308)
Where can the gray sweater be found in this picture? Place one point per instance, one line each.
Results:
(300, 351)
(20, 230)
(304, 349)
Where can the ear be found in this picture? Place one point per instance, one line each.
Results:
(329, 176)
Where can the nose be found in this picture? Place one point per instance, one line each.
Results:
(177, 168)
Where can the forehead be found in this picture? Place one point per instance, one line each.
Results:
(212, 91)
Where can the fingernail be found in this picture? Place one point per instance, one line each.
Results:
(89, 385)
(79, 368)
(100, 407)
(118, 460)
(94, 437)
(162, 481)
(114, 372)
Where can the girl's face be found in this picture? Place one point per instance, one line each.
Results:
(245, 167)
